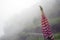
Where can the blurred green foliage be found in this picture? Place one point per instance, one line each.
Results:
(54, 20)
(57, 36)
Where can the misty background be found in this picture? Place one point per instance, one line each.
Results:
(19, 18)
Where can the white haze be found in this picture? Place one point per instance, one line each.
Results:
(14, 14)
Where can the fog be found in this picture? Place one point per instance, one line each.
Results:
(15, 15)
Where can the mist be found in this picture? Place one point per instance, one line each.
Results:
(17, 15)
